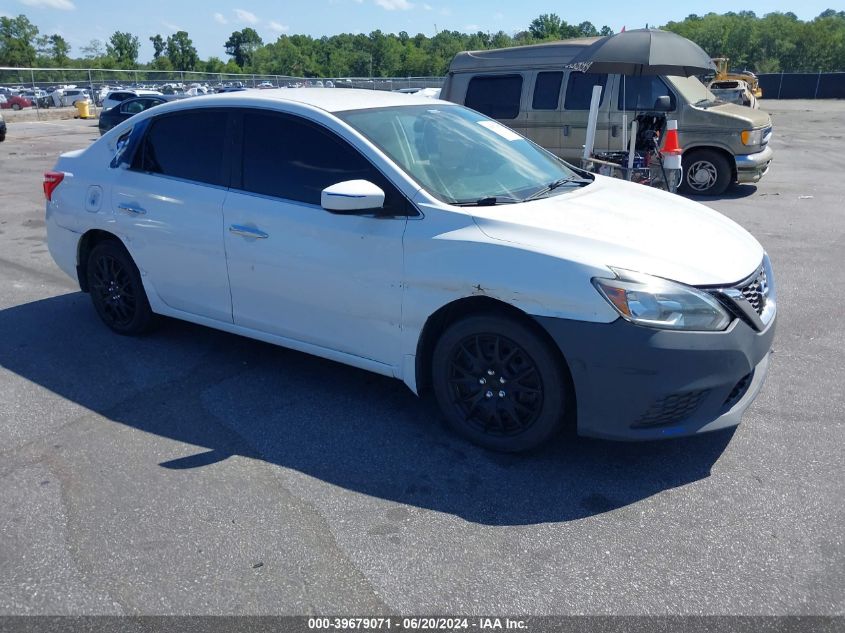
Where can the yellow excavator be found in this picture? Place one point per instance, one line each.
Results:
(723, 74)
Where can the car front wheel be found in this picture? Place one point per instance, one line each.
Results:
(116, 289)
(498, 383)
(706, 173)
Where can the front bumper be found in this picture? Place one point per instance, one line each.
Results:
(639, 383)
(752, 167)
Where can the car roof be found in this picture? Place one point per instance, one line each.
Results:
(328, 99)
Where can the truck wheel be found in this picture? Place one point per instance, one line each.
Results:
(706, 173)
(498, 384)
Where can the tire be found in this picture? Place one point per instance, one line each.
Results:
(16, 106)
(498, 384)
(706, 173)
(116, 290)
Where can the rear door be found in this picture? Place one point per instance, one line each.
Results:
(169, 207)
(576, 111)
(543, 124)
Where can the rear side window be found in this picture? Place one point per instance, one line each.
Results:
(287, 157)
(120, 96)
(547, 91)
(579, 89)
(187, 145)
(496, 96)
(640, 92)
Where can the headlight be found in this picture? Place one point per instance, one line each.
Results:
(752, 137)
(659, 303)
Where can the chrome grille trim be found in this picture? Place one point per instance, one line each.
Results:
(753, 299)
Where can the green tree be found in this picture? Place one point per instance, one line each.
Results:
(16, 38)
(124, 48)
(181, 51)
(93, 50)
(159, 45)
(242, 45)
(546, 27)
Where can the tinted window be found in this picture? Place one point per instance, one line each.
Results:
(133, 107)
(579, 90)
(288, 157)
(640, 93)
(547, 91)
(187, 145)
(497, 97)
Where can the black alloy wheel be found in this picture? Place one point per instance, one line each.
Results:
(116, 289)
(498, 383)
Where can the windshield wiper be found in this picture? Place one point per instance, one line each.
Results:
(489, 201)
(557, 183)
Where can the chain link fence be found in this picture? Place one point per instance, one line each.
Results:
(34, 83)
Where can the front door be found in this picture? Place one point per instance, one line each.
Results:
(297, 270)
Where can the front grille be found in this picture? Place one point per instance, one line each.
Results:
(671, 409)
(756, 290)
(738, 391)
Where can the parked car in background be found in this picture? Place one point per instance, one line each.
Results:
(69, 96)
(2, 129)
(15, 102)
(126, 109)
(231, 89)
(734, 91)
(523, 291)
(119, 96)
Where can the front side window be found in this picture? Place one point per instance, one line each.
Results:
(459, 156)
(640, 92)
(188, 145)
(285, 156)
(497, 96)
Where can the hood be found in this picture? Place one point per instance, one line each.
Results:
(750, 117)
(616, 223)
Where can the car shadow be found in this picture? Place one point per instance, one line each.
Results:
(347, 427)
(734, 192)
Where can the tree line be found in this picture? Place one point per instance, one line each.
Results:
(771, 43)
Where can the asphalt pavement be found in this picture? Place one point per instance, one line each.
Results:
(196, 472)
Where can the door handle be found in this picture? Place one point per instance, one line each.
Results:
(247, 231)
(131, 209)
(566, 130)
(614, 131)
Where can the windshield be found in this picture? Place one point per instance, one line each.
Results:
(692, 89)
(460, 156)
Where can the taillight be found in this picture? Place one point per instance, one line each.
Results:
(52, 179)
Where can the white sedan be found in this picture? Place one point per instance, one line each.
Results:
(421, 240)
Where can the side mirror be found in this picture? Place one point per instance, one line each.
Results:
(352, 196)
(663, 104)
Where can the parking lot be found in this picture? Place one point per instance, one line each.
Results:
(196, 472)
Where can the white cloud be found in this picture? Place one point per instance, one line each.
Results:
(474, 28)
(278, 26)
(392, 5)
(427, 7)
(62, 5)
(220, 18)
(246, 16)
(171, 27)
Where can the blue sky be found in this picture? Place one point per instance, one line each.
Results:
(209, 23)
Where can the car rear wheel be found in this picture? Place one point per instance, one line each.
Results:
(498, 384)
(116, 290)
(16, 106)
(706, 173)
